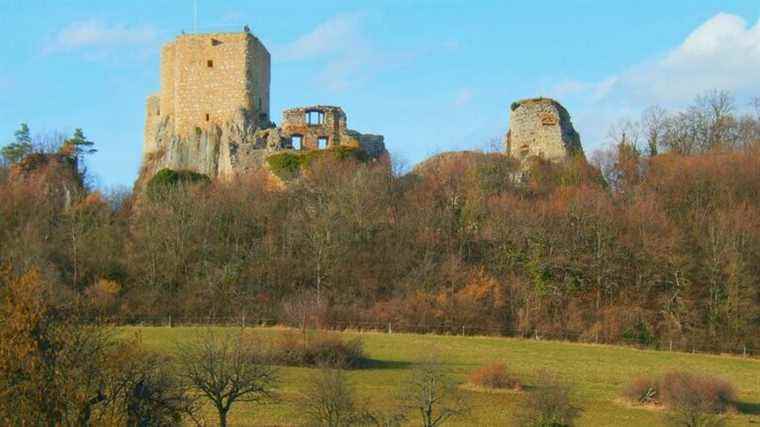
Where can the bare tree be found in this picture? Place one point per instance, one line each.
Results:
(225, 370)
(550, 404)
(653, 125)
(329, 399)
(431, 392)
(625, 132)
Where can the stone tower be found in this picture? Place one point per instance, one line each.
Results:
(541, 128)
(211, 114)
(208, 80)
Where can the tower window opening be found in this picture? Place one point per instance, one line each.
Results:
(210, 63)
(208, 117)
(315, 117)
(296, 142)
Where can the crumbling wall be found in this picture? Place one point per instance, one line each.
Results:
(330, 124)
(211, 115)
(541, 128)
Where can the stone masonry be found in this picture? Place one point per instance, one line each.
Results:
(206, 79)
(324, 126)
(541, 128)
(211, 114)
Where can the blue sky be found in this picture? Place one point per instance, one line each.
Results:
(429, 75)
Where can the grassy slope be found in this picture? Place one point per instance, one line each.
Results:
(599, 372)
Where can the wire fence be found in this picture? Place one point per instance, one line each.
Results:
(391, 327)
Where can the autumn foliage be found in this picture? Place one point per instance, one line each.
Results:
(648, 247)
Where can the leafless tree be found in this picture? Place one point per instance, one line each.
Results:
(653, 125)
(432, 393)
(329, 399)
(225, 369)
(625, 132)
(550, 404)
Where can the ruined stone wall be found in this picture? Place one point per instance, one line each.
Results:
(541, 127)
(212, 112)
(294, 122)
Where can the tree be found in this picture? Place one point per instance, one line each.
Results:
(550, 404)
(78, 146)
(226, 369)
(56, 372)
(433, 394)
(653, 122)
(21, 146)
(329, 399)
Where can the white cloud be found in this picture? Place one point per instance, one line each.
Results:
(340, 47)
(723, 53)
(463, 97)
(337, 36)
(94, 35)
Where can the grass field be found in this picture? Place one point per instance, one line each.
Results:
(597, 372)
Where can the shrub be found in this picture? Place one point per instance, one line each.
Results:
(168, 178)
(677, 388)
(329, 400)
(325, 350)
(494, 375)
(710, 393)
(550, 405)
(644, 390)
(284, 165)
(288, 165)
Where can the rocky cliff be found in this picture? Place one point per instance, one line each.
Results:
(232, 149)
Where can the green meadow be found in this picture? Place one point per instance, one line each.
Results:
(597, 372)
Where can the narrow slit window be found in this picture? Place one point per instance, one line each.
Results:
(210, 63)
(296, 142)
(322, 142)
(208, 117)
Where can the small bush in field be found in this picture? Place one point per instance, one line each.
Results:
(644, 390)
(324, 350)
(550, 405)
(696, 400)
(494, 375)
(679, 389)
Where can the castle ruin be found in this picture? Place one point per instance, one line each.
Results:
(319, 127)
(541, 128)
(211, 114)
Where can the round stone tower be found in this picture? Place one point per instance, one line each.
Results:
(541, 128)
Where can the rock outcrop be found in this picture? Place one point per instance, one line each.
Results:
(541, 128)
(211, 115)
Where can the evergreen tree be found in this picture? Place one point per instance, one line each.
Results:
(21, 146)
(78, 146)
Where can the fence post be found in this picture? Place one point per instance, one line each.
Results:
(671, 345)
(744, 350)
(390, 329)
(242, 321)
